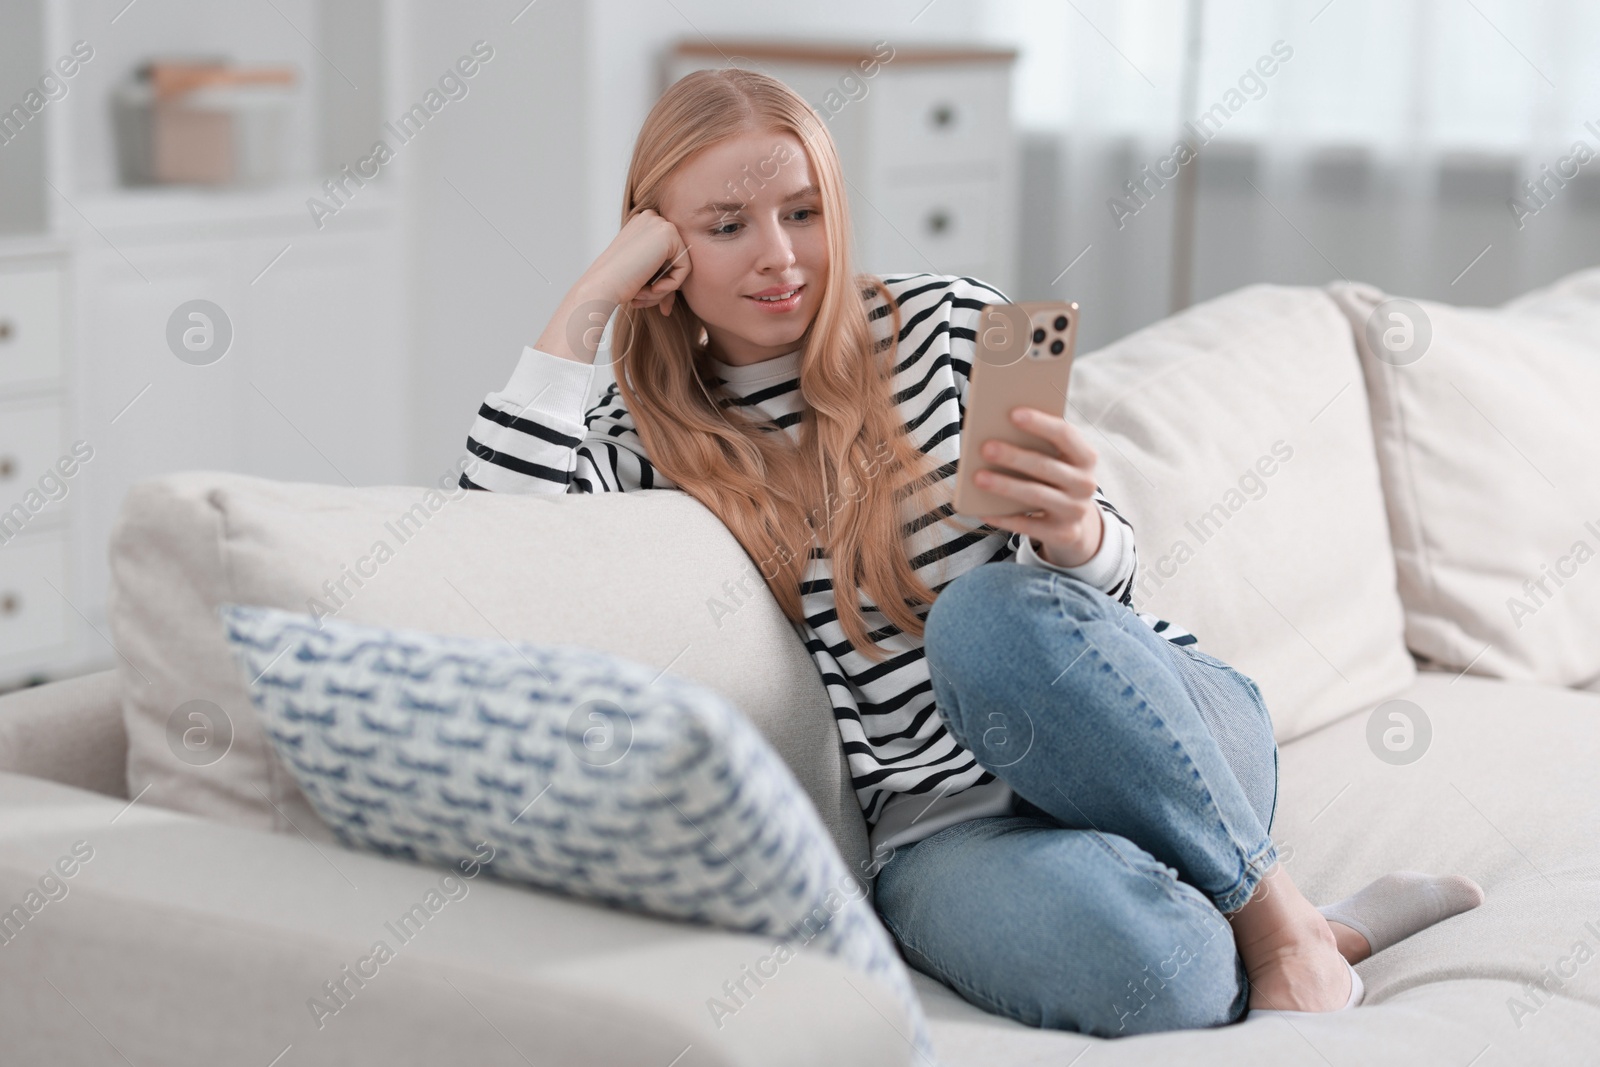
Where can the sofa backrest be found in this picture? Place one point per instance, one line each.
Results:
(645, 575)
(1235, 437)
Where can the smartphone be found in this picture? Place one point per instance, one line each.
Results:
(1024, 356)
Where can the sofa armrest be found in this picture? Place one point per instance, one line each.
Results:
(186, 941)
(68, 731)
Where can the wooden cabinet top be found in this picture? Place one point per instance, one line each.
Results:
(835, 51)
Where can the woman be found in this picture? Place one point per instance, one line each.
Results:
(1076, 794)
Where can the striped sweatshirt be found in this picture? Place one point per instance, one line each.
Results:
(910, 775)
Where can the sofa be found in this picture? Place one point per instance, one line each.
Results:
(1379, 509)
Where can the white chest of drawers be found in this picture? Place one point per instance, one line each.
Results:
(38, 626)
(925, 139)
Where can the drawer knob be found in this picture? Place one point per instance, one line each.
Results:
(942, 115)
(5, 330)
(10, 603)
(938, 220)
(8, 466)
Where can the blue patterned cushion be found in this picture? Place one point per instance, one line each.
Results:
(588, 774)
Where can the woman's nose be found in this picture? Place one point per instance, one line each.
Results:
(776, 249)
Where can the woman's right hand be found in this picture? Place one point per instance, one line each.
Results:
(641, 248)
(619, 275)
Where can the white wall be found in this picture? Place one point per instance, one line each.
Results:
(492, 255)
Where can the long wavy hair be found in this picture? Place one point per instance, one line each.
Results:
(841, 487)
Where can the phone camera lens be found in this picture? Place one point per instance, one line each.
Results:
(1057, 347)
(1061, 322)
(1038, 335)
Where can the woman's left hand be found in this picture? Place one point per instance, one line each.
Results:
(1058, 490)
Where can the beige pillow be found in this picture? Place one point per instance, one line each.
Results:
(1235, 438)
(649, 575)
(1485, 436)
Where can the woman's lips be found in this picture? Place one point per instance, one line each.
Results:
(778, 306)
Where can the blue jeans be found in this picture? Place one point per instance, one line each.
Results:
(1145, 776)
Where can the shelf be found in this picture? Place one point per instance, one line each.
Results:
(32, 245)
(172, 207)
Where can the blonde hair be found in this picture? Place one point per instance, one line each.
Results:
(842, 484)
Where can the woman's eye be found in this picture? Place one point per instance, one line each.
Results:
(721, 231)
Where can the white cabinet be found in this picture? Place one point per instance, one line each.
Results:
(34, 616)
(310, 389)
(39, 475)
(31, 440)
(951, 224)
(941, 117)
(30, 326)
(313, 383)
(925, 140)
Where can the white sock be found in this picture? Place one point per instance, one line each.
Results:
(1400, 903)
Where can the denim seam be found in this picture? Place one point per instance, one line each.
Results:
(1196, 655)
(1272, 812)
(1244, 885)
(1255, 870)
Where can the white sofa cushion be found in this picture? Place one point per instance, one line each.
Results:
(630, 573)
(1485, 436)
(1235, 438)
(192, 943)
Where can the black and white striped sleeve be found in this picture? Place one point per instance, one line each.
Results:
(534, 436)
(1113, 566)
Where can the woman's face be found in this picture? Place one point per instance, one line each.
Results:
(749, 211)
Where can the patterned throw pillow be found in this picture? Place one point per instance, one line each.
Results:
(589, 774)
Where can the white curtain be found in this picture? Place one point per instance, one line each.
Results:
(1389, 143)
